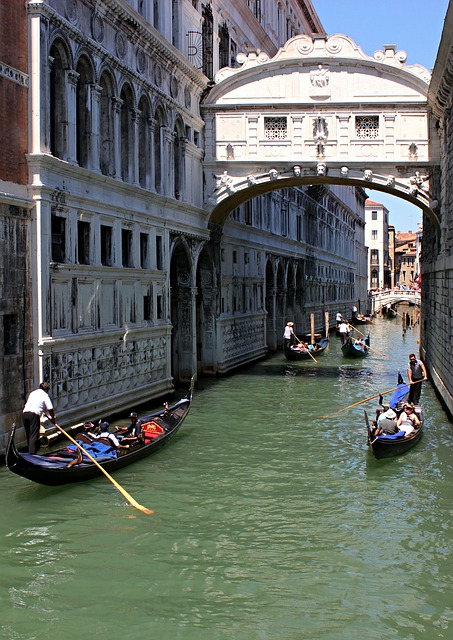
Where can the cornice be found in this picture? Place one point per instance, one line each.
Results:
(119, 14)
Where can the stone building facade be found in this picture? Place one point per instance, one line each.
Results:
(437, 251)
(16, 347)
(121, 287)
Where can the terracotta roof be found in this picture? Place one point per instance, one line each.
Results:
(372, 203)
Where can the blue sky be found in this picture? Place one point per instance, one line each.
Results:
(414, 27)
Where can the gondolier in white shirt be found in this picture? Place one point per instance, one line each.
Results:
(289, 335)
(344, 330)
(37, 404)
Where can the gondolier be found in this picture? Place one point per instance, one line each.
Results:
(37, 404)
(416, 372)
(288, 335)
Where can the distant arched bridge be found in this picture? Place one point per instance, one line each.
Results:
(394, 297)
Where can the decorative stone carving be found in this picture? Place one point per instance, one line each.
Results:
(120, 45)
(71, 10)
(273, 174)
(297, 171)
(97, 27)
(174, 87)
(418, 181)
(368, 175)
(320, 77)
(344, 171)
(321, 169)
(187, 98)
(391, 181)
(141, 61)
(251, 180)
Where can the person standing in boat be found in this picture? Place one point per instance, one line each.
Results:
(289, 335)
(344, 331)
(416, 373)
(38, 403)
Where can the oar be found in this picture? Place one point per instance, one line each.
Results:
(381, 393)
(370, 348)
(311, 356)
(128, 497)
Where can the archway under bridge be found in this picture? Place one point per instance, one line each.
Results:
(320, 112)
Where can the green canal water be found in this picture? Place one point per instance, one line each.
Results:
(270, 522)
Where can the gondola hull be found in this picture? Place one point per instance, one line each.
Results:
(52, 469)
(386, 448)
(297, 355)
(350, 350)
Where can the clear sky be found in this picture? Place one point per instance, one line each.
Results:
(414, 26)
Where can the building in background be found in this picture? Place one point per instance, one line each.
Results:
(377, 241)
(115, 288)
(407, 258)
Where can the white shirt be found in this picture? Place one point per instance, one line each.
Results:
(110, 436)
(344, 328)
(288, 332)
(38, 401)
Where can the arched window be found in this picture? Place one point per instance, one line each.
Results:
(83, 111)
(144, 147)
(58, 106)
(127, 148)
(106, 125)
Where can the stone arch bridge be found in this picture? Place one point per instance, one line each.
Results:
(320, 112)
(394, 297)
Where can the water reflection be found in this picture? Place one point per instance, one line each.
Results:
(270, 521)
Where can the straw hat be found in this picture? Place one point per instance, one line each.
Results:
(290, 324)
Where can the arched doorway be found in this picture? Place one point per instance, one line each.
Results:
(181, 314)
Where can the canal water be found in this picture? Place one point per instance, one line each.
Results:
(270, 522)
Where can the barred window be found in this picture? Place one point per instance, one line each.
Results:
(276, 128)
(367, 127)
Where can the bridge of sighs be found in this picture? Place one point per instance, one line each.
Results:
(320, 111)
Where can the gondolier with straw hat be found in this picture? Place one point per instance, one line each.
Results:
(288, 335)
(38, 403)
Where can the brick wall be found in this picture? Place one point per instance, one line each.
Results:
(13, 94)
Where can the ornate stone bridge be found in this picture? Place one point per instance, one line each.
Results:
(394, 297)
(320, 111)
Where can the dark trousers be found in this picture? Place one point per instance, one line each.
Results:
(31, 425)
(415, 391)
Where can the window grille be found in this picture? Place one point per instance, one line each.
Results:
(367, 127)
(276, 128)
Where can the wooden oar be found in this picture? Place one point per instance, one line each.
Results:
(300, 342)
(128, 497)
(370, 348)
(381, 393)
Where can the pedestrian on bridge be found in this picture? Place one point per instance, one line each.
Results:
(416, 373)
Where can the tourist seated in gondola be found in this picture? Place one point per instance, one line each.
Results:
(130, 434)
(386, 422)
(408, 420)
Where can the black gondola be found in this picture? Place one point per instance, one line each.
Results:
(394, 445)
(52, 468)
(352, 349)
(295, 352)
(390, 313)
(358, 318)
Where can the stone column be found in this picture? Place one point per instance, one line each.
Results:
(71, 79)
(117, 104)
(167, 161)
(94, 99)
(133, 148)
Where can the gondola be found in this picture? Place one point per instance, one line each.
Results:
(352, 350)
(388, 446)
(360, 319)
(294, 352)
(390, 314)
(51, 468)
